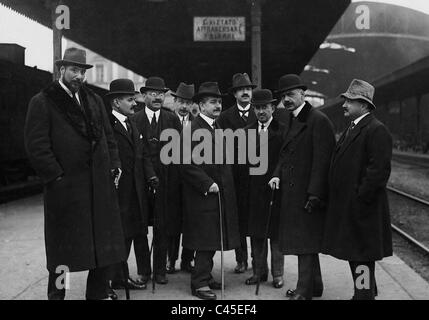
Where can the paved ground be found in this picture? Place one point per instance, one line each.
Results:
(23, 275)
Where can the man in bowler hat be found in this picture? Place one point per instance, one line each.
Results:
(71, 145)
(237, 117)
(302, 177)
(137, 169)
(182, 107)
(358, 220)
(201, 188)
(164, 198)
(260, 195)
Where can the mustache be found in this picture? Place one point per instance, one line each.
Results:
(157, 101)
(245, 95)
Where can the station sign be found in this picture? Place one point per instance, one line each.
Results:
(219, 29)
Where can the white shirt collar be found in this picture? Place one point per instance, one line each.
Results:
(68, 90)
(266, 124)
(298, 110)
(246, 109)
(121, 118)
(210, 121)
(150, 114)
(356, 121)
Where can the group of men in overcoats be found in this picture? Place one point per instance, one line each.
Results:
(105, 183)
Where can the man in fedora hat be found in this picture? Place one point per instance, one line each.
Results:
(70, 144)
(237, 117)
(302, 173)
(182, 106)
(358, 220)
(164, 199)
(202, 184)
(137, 170)
(259, 196)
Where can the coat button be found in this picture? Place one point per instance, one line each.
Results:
(292, 185)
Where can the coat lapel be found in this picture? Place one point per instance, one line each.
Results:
(119, 128)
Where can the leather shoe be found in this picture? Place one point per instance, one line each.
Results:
(214, 285)
(130, 284)
(204, 295)
(161, 279)
(171, 267)
(142, 279)
(254, 279)
(316, 293)
(278, 283)
(297, 296)
(112, 294)
(241, 267)
(186, 266)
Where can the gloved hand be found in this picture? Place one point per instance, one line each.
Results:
(313, 203)
(154, 182)
(116, 176)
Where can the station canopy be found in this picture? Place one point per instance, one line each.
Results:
(156, 37)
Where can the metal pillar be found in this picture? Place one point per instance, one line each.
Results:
(256, 14)
(57, 37)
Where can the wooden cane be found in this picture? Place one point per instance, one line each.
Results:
(222, 271)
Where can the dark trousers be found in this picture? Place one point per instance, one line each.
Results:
(202, 275)
(160, 244)
(309, 275)
(96, 285)
(363, 274)
(141, 251)
(173, 251)
(260, 261)
(241, 254)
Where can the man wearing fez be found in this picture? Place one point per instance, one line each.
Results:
(137, 169)
(163, 198)
(237, 117)
(202, 184)
(302, 176)
(182, 103)
(260, 195)
(358, 220)
(70, 144)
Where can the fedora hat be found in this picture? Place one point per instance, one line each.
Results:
(154, 83)
(208, 89)
(241, 80)
(184, 91)
(121, 87)
(360, 90)
(74, 57)
(290, 82)
(262, 96)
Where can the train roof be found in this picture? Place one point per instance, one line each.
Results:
(155, 37)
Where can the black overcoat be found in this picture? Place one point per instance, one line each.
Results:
(82, 221)
(167, 201)
(136, 170)
(303, 170)
(358, 219)
(259, 191)
(201, 220)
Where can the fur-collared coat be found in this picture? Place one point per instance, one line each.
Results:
(82, 222)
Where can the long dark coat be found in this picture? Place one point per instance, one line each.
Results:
(259, 191)
(358, 219)
(303, 170)
(136, 170)
(231, 119)
(201, 223)
(167, 203)
(82, 221)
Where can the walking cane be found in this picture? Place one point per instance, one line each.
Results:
(153, 241)
(265, 243)
(222, 271)
(127, 289)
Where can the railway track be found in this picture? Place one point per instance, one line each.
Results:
(414, 242)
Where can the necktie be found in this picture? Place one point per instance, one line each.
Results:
(129, 128)
(154, 126)
(76, 100)
(349, 130)
(183, 122)
(243, 115)
(262, 128)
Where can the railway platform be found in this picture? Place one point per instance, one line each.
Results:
(24, 277)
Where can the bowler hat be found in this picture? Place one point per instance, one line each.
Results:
(241, 80)
(208, 89)
(154, 83)
(74, 57)
(185, 91)
(121, 87)
(360, 90)
(290, 82)
(262, 96)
